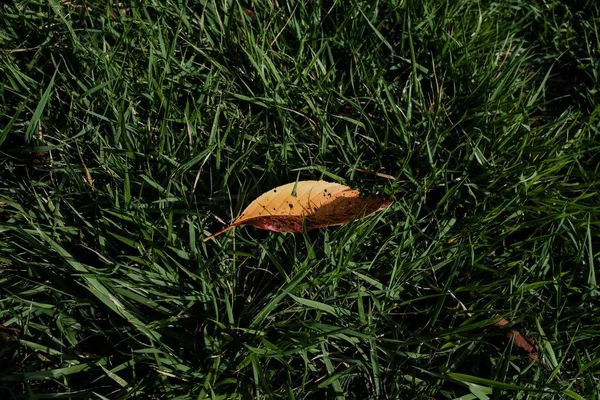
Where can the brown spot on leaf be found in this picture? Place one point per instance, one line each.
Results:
(278, 223)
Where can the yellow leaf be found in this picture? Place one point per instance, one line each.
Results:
(316, 204)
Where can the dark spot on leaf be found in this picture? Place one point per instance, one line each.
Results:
(315, 209)
(328, 195)
(273, 208)
(274, 190)
(325, 190)
(291, 206)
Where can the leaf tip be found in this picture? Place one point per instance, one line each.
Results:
(206, 239)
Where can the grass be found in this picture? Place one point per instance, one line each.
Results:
(130, 131)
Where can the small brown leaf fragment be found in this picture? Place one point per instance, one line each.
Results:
(249, 12)
(309, 204)
(519, 341)
(9, 334)
(501, 322)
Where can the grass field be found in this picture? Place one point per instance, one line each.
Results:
(130, 131)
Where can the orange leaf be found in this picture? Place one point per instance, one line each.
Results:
(519, 341)
(316, 204)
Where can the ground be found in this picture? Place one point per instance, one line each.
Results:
(130, 131)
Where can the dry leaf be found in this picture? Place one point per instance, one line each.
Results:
(316, 204)
(519, 341)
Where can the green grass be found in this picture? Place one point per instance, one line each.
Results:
(128, 132)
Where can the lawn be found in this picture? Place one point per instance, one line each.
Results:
(131, 131)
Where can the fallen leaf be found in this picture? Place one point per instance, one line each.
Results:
(312, 204)
(519, 341)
